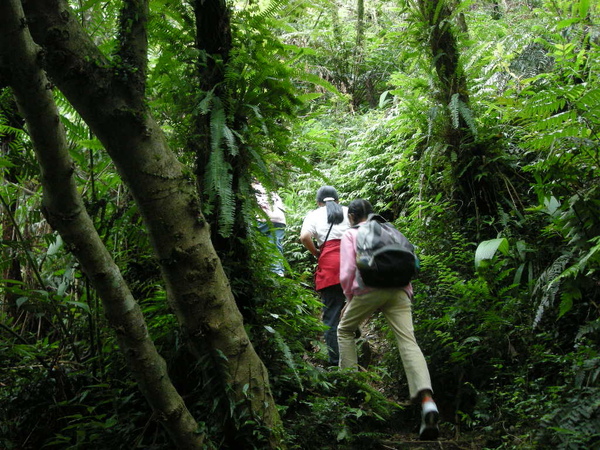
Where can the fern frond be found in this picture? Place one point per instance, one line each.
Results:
(288, 358)
(548, 102)
(230, 140)
(556, 121)
(8, 130)
(271, 10)
(218, 122)
(459, 109)
(589, 100)
(541, 140)
(204, 105)
(467, 115)
(218, 189)
(454, 113)
(588, 328)
(543, 105)
(548, 285)
(259, 162)
(575, 423)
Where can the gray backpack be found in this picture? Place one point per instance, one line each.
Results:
(384, 257)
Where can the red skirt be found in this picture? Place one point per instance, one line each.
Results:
(328, 267)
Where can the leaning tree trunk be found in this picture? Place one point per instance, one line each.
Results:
(111, 101)
(64, 209)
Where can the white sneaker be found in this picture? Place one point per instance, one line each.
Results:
(429, 422)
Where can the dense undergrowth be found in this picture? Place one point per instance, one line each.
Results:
(506, 306)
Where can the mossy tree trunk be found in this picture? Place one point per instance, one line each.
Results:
(214, 41)
(456, 132)
(110, 98)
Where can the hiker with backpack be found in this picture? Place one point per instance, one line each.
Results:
(376, 264)
(321, 233)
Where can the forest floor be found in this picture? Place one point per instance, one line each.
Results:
(400, 442)
(449, 440)
(446, 441)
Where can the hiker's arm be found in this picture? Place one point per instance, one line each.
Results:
(308, 242)
(347, 264)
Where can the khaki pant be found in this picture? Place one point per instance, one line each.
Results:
(395, 305)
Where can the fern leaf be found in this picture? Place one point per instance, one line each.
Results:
(548, 285)
(218, 189)
(8, 130)
(590, 99)
(467, 115)
(230, 140)
(454, 113)
(288, 358)
(588, 328)
(272, 9)
(218, 122)
(203, 107)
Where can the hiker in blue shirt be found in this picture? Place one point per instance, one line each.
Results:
(274, 228)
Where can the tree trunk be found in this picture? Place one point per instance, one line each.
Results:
(65, 211)
(457, 135)
(165, 192)
(359, 87)
(213, 40)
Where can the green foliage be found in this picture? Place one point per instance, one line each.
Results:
(510, 341)
(476, 327)
(574, 424)
(340, 410)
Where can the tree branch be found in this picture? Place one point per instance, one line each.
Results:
(133, 40)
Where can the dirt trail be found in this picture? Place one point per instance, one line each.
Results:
(406, 442)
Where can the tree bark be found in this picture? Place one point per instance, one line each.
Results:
(358, 91)
(64, 209)
(165, 192)
(214, 40)
(459, 138)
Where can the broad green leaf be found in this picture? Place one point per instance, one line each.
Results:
(62, 288)
(305, 98)
(6, 163)
(81, 305)
(487, 249)
(584, 7)
(55, 246)
(566, 23)
(343, 434)
(519, 274)
(551, 204)
(566, 302)
(383, 99)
